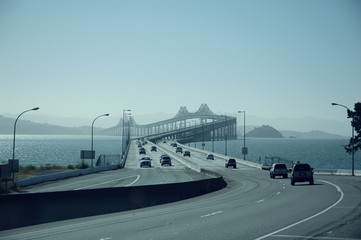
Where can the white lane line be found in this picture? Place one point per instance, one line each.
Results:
(211, 214)
(308, 237)
(133, 181)
(309, 218)
(102, 183)
(77, 182)
(259, 201)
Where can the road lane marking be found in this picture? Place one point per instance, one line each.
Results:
(211, 214)
(259, 201)
(77, 182)
(308, 237)
(102, 183)
(338, 189)
(133, 181)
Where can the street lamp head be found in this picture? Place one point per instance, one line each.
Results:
(333, 104)
(107, 114)
(34, 109)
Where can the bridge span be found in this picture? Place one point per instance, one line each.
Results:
(185, 126)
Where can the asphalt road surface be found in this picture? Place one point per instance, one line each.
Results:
(252, 206)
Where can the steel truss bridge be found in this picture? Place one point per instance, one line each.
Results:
(185, 126)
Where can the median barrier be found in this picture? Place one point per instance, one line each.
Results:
(25, 209)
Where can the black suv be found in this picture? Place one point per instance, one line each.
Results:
(231, 163)
(187, 153)
(302, 172)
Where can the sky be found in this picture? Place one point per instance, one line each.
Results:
(271, 58)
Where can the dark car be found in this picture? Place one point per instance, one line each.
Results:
(231, 163)
(210, 157)
(278, 169)
(179, 150)
(166, 160)
(153, 149)
(187, 153)
(142, 151)
(302, 172)
(161, 156)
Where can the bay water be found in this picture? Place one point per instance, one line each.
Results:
(64, 150)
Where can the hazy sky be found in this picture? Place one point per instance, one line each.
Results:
(271, 58)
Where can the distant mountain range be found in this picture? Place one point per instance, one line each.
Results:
(266, 131)
(32, 128)
(29, 127)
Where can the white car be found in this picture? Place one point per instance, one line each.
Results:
(145, 161)
(278, 169)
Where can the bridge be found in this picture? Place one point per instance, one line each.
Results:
(185, 127)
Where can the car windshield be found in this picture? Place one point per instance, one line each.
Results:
(302, 167)
(280, 166)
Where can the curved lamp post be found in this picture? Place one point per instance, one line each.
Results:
(103, 115)
(33, 109)
(353, 135)
(244, 149)
(124, 110)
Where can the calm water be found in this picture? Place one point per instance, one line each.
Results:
(320, 153)
(58, 149)
(65, 150)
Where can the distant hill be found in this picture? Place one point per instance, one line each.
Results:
(31, 128)
(264, 132)
(311, 134)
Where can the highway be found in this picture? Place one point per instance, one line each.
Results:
(131, 175)
(252, 206)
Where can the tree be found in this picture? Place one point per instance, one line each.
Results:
(355, 142)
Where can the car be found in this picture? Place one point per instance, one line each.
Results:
(302, 172)
(145, 161)
(278, 169)
(231, 163)
(153, 149)
(187, 153)
(166, 160)
(161, 156)
(145, 158)
(142, 151)
(174, 144)
(179, 150)
(210, 157)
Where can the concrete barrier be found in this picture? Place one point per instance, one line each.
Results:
(19, 210)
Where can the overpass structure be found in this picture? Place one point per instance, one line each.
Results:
(185, 126)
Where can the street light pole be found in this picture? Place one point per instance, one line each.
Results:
(244, 149)
(352, 140)
(226, 136)
(124, 110)
(33, 109)
(103, 115)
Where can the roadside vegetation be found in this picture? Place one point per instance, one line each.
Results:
(28, 171)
